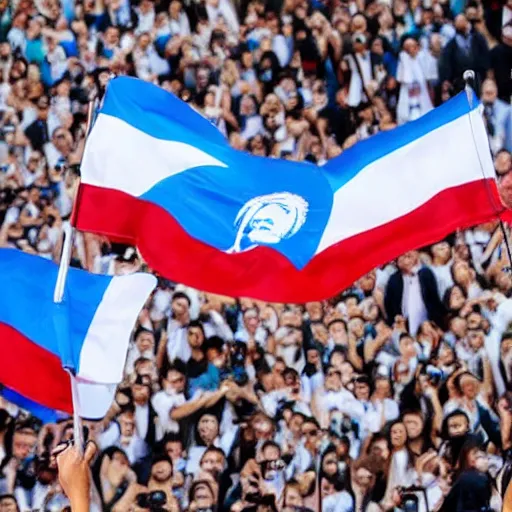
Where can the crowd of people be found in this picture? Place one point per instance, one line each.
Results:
(394, 395)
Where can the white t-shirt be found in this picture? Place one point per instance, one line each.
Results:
(164, 403)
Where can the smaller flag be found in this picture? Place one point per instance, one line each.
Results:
(88, 333)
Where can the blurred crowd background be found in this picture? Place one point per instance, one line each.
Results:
(393, 395)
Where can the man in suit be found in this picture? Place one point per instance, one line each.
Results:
(467, 50)
(412, 292)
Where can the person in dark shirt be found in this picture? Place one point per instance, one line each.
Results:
(501, 64)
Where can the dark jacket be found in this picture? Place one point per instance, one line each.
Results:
(429, 292)
(454, 61)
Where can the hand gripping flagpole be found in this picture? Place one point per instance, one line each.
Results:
(58, 296)
(469, 79)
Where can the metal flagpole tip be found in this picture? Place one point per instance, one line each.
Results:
(469, 76)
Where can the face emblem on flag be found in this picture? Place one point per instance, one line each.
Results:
(268, 219)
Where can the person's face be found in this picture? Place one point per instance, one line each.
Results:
(470, 388)
(146, 368)
(457, 299)
(174, 450)
(382, 388)
(208, 428)
(295, 425)
(362, 391)
(407, 262)
(476, 339)
(333, 380)
(180, 306)
(445, 355)
(407, 348)
(413, 425)
(195, 337)
(271, 454)
(8, 504)
(367, 282)
(380, 449)
(461, 272)
(311, 435)
(34, 195)
(140, 393)
(477, 459)
(338, 333)
(60, 140)
(251, 321)
(212, 463)
(23, 445)
(337, 360)
(175, 381)
(377, 47)
(315, 311)
(313, 357)
(347, 373)
(363, 478)
(127, 424)
(144, 41)
(112, 36)
(327, 488)
(202, 78)
(293, 498)
(247, 60)
(292, 381)
(474, 321)
(145, 342)
(398, 435)
(459, 327)
(411, 47)
(461, 23)
(489, 92)
(458, 426)
(203, 497)
(506, 347)
(330, 464)
(161, 471)
(279, 367)
(34, 161)
(442, 251)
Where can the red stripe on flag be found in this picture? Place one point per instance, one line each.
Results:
(33, 372)
(263, 273)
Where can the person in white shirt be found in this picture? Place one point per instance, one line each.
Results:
(123, 435)
(379, 407)
(414, 98)
(142, 346)
(334, 396)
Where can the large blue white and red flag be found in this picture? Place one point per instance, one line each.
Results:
(156, 174)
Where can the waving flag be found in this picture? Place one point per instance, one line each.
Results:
(87, 333)
(158, 175)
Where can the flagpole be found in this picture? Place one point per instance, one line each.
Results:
(58, 296)
(469, 79)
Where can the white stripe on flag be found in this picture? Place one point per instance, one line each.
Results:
(103, 353)
(407, 178)
(140, 163)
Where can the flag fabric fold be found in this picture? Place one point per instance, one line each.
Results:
(88, 333)
(156, 174)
